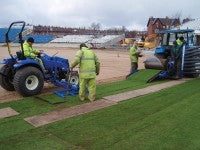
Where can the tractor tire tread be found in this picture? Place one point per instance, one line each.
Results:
(19, 81)
(4, 82)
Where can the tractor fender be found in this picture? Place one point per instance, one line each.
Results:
(3, 62)
(27, 62)
(8, 61)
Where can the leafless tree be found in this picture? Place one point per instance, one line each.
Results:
(177, 15)
(96, 26)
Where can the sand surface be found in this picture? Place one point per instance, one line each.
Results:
(115, 65)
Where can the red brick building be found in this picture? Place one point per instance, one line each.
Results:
(154, 25)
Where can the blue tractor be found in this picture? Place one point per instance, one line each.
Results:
(162, 60)
(26, 76)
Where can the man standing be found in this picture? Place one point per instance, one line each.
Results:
(177, 56)
(89, 68)
(30, 52)
(134, 59)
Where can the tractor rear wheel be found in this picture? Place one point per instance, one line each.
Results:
(6, 78)
(28, 81)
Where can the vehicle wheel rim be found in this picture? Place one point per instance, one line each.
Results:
(32, 82)
(74, 80)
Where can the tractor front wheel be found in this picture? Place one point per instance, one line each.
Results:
(28, 81)
(6, 78)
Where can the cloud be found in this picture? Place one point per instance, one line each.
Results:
(80, 13)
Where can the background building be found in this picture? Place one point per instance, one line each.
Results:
(154, 25)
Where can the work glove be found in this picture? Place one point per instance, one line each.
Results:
(39, 54)
(32, 55)
(140, 55)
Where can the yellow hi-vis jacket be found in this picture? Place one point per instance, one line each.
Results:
(179, 42)
(29, 51)
(88, 62)
(132, 54)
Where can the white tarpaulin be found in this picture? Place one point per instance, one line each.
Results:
(194, 24)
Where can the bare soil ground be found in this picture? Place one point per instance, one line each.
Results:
(7, 112)
(151, 89)
(115, 65)
(61, 114)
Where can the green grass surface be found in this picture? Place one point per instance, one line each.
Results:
(168, 119)
(32, 106)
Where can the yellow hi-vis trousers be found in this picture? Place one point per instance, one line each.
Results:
(91, 84)
(38, 59)
(40, 62)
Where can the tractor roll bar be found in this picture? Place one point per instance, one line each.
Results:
(20, 35)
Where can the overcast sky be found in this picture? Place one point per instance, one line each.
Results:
(133, 14)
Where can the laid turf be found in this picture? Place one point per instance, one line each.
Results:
(167, 119)
(32, 106)
(137, 81)
(45, 103)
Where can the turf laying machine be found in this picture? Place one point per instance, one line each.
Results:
(162, 60)
(26, 76)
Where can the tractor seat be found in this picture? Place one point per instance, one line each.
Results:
(20, 56)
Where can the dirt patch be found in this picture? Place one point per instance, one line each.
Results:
(115, 65)
(40, 120)
(7, 96)
(110, 80)
(7, 112)
(144, 91)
